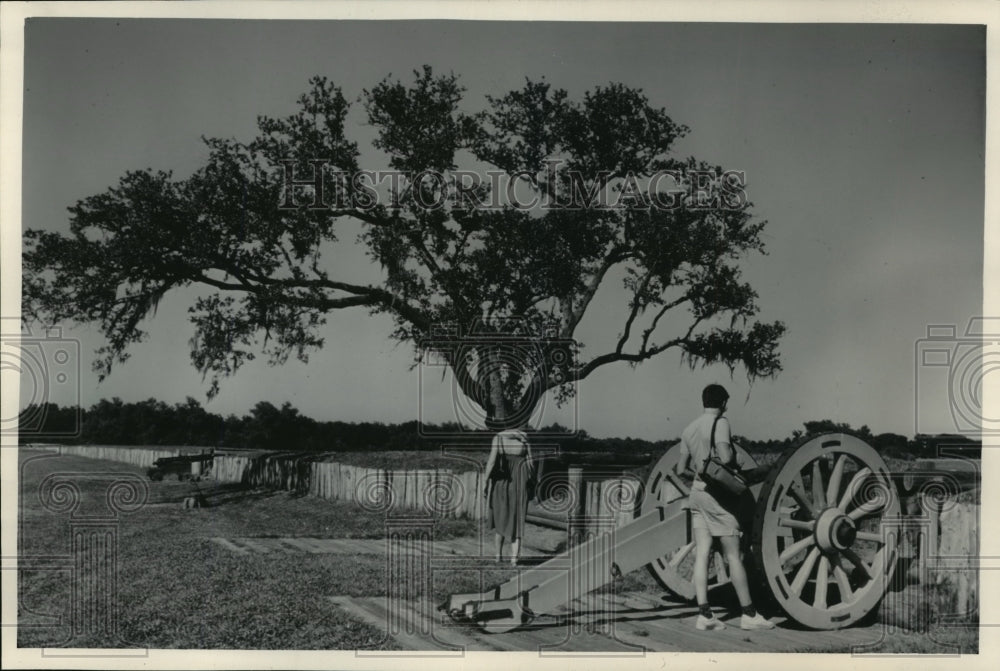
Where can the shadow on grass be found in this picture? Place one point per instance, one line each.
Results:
(533, 560)
(238, 494)
(214, 495)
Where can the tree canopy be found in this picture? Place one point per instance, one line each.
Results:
(459, 251)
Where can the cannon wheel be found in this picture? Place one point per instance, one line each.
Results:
(674, 570)
(835, 496)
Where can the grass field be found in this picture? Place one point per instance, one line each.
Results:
(178, 589)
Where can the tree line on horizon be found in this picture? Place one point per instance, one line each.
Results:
(268, 427)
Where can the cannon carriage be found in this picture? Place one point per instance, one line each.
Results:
(821, 530)
(180, 465)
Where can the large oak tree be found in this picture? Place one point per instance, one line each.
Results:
(460, 257)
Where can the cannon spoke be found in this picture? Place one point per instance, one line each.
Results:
(679, 556)
(858, 562)
(795, 548)
(820, 475)
(720, 567)
(795, 491)
(822, 582)
(833, 486)
(804, 572)
(804, 525)
(870, 536)
(676, 481)
(852, 487)
(867, 508)
(843, 582)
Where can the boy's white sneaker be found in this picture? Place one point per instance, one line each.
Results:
(755, 622)
(709, 623)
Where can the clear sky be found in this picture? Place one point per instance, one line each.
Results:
(863, 147)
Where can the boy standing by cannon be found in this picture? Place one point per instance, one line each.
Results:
(707, 436)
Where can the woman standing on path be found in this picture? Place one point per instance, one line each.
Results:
(506, 489)
(709, 519)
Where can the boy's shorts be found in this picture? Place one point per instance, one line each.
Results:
(706, 513)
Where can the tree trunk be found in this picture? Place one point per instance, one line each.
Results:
(497, 412)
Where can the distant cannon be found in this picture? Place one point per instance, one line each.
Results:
(179, 465)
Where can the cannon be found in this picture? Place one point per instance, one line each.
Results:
(820, 541)
(179, 465)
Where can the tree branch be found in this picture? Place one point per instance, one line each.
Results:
(363, 295)
(611, 357)
(666, 307)
(572, 315)
(634, 312)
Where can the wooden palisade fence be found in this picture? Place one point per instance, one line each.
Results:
(946, 520)
(142, 457)
(440, 492)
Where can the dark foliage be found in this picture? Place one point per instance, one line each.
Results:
(261, 255)
(267, 427)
